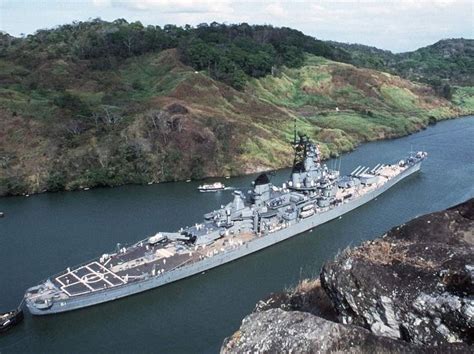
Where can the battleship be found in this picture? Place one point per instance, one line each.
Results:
(267, 214)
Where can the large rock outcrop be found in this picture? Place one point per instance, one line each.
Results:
(410, 290)
(415, 283)
(276, 331)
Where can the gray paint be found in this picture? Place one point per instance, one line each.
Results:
(242, 215)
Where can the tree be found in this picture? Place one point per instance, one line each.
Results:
(447, 91)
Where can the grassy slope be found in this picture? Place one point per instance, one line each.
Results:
(178, 124)
(463, 97)
(344, 105)
(449, 60)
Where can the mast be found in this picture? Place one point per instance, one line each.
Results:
(294, 131)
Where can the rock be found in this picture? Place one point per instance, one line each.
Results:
(409, 291)
(307, 297)
(279, 331)
(415, 283)
(276, 331)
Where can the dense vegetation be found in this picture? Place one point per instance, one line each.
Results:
(229, 53)
(106, 103)
(444, 64)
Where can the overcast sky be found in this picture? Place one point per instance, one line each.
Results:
(401, 25)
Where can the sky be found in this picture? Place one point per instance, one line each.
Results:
(399, 26)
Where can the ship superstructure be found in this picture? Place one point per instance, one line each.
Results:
(268, 214)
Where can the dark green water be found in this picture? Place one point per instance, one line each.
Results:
(44, 234)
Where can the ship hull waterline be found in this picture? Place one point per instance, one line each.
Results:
(79, 302)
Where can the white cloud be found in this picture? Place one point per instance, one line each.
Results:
(398, 25)
(276, 9)
(101, 3)
(172, 6)
(444, 3)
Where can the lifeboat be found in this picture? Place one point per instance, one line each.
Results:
(307, 211)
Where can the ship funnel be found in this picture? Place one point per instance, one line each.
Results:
(261, 179)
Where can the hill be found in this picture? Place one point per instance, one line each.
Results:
(448, 61)
(104, 104)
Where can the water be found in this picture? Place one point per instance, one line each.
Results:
(44, 234)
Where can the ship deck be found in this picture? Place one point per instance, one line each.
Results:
(87, 278)
(121, 268)
(143, 260)
(137, 263)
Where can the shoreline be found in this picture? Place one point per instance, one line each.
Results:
(256, 171)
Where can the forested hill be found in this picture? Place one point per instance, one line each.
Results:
(448, 61)
(227, 52)
(107, 103)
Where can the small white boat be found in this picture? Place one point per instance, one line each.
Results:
(214, 187)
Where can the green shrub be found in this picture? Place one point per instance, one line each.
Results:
(56, 181)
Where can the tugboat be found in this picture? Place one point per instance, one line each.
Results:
(10, 319)
(214, 187)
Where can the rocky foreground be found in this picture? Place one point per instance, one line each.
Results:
(410, 290)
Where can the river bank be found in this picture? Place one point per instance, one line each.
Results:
(153, 118)
(328, 153)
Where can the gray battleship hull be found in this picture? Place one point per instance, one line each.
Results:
(252, 246)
